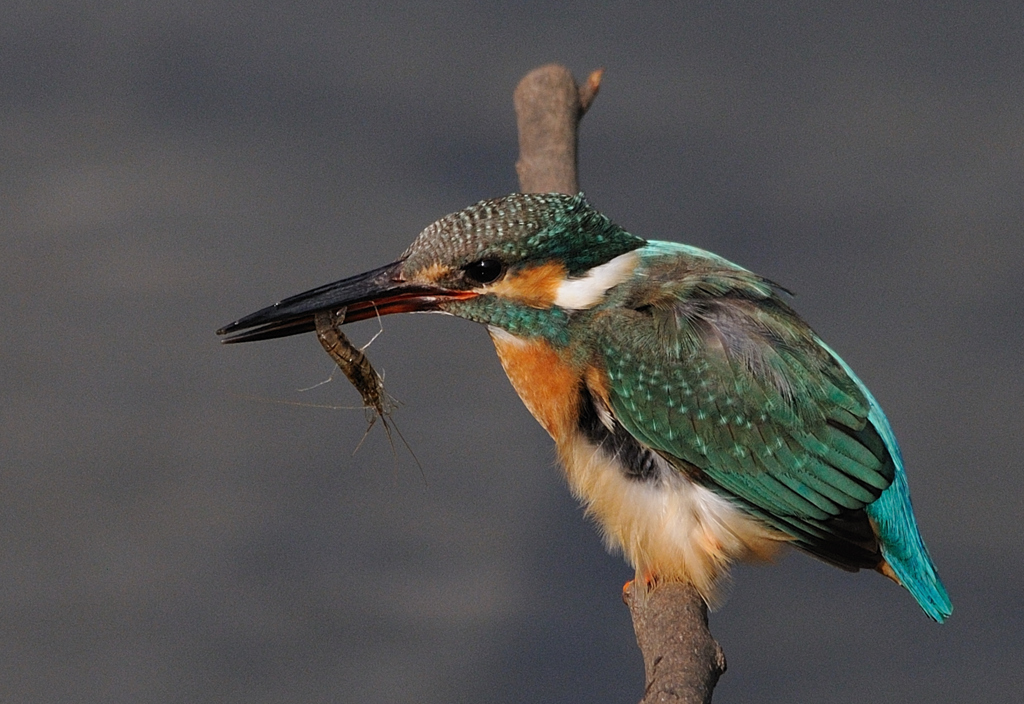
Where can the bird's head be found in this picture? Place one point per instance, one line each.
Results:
(519, 263)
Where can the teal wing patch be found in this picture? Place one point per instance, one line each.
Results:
(719, 374)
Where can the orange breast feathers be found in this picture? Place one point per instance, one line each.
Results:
(548, 386)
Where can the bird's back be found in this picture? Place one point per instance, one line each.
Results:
(707, 366)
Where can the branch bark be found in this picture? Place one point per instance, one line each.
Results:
(549, 106)
(681, 658)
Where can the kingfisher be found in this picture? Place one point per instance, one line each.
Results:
(698, 418)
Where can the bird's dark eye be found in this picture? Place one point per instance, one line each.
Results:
(484, 271)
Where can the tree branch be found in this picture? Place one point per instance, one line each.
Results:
(681, 658)
(548, 110)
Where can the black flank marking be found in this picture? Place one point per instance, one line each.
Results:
(638, 462)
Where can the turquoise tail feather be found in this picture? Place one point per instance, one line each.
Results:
(893, 517)
(903, 548)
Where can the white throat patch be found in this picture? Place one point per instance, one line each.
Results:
(588, 290)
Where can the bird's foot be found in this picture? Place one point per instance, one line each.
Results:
(648, 582)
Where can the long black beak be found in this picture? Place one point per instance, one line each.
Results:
(378, 292)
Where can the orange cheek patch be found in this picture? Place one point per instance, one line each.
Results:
(535, 287)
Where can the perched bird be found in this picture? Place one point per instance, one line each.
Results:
(697, 417)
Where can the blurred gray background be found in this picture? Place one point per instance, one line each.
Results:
(182, 523)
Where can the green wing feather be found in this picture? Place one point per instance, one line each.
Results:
(709, 367)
